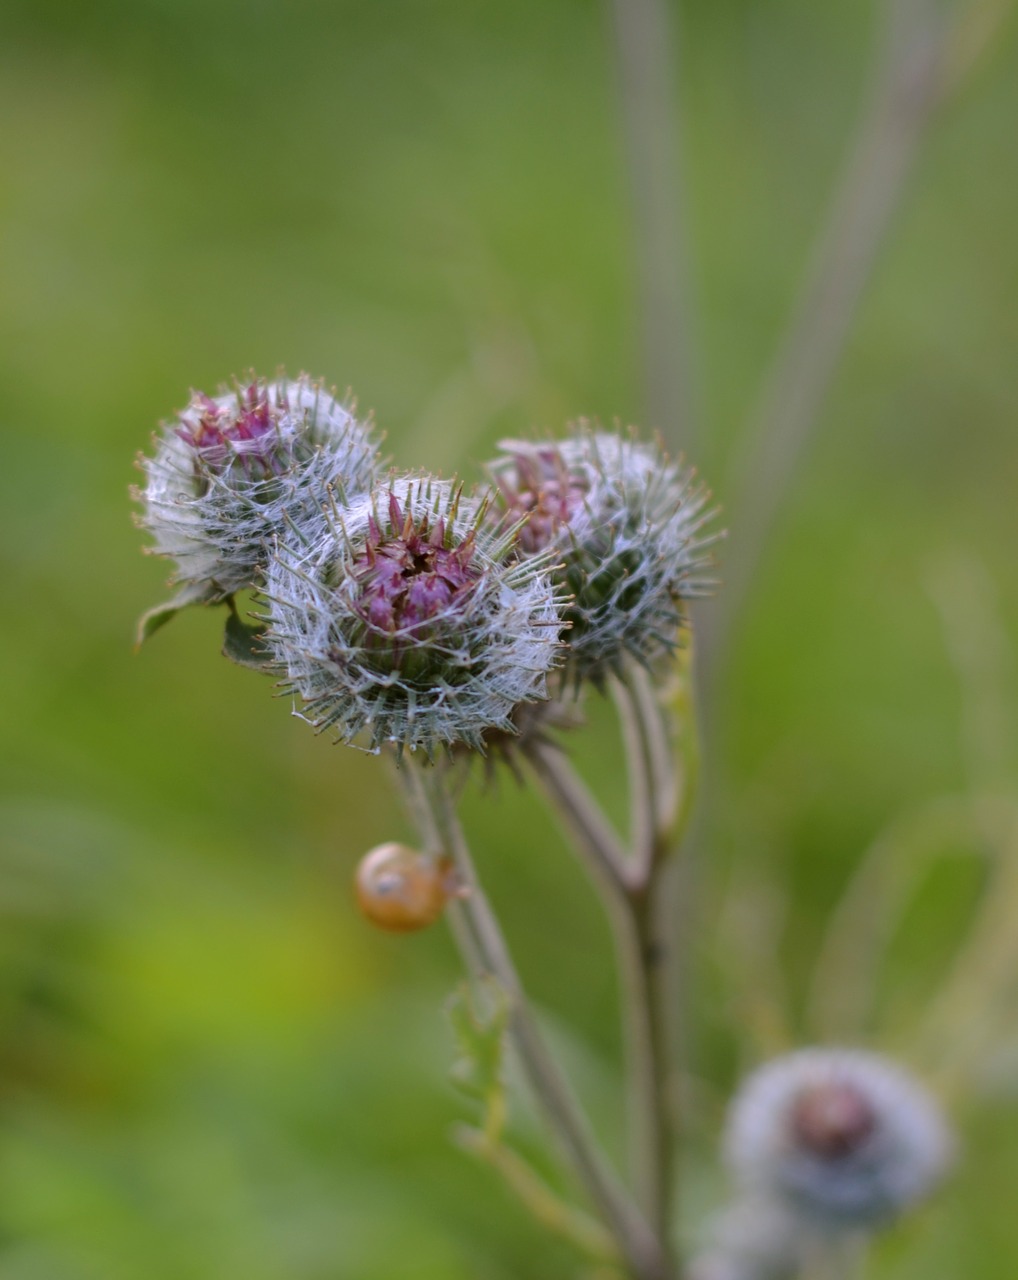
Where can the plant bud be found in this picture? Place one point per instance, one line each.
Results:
(409, 622)
(234, 469)
(625, 526)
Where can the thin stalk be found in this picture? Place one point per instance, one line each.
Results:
(433, 843)
(637, 1242)
(643, 825)
(677, 709)
(646, 958)
(597, 845)
(643, 955)
(669, 730)
(650, 109)
(924, 58)
(630, 891)
(892, 125)
(533, 1192)
(467, 943)
(660, 756)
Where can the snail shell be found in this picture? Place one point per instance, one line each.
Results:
(401, 889)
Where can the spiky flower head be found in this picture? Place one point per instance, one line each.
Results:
(409, 621)
(231, 470)
(626, 526)
(846, 1139)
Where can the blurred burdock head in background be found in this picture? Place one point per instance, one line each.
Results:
(624, 524)
(845, 1139)
(755, 1238)
(232, 470)
(409, 620)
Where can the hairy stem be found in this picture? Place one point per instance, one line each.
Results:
(637, 1242)
(630, 887)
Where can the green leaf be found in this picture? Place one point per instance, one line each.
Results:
(245, 644)
(150, 622)
(479, 1016)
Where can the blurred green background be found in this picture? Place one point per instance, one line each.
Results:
(210, 1067)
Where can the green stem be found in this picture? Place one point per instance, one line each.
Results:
(643, 824)
(637, 1242)
(596, 844)
(659, 750)
(588, 1235)
(643, 956)
(629, 888)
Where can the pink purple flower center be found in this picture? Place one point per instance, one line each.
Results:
(541, 488)
(833, 1119)
(409, 576)
(246, 428)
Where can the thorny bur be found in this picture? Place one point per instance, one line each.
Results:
(409, 621)
(627, 529)
(234, 469)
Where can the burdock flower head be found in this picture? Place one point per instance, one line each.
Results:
(231, 469)
(625, 525)
(408, 621)
(845, 1139)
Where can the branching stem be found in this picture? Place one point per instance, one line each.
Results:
(480, 936)
(630, 885)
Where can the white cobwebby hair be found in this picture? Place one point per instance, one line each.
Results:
(217, 518)
(633, 549)
(487, 652)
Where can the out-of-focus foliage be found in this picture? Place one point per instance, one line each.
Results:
(209, 1066)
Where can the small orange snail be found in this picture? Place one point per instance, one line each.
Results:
(402, 890)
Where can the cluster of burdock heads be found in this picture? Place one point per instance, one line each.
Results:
(403, 610)
(413, 616)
